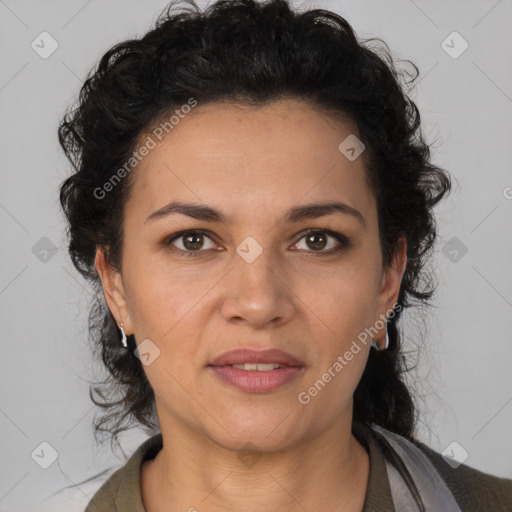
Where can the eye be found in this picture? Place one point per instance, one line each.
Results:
(318, 240)
(191, 241)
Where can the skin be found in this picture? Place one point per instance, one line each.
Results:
(254, 164)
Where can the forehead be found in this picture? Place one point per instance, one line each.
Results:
(261, 158)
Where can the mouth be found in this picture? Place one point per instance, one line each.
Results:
(256, 372)
(260, 367)
(259, 380)
(248, 359)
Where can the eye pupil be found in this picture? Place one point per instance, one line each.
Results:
(314, 237)
(192, 246)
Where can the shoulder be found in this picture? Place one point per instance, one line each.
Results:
(122, 490)
(105, 497)
(473, 490)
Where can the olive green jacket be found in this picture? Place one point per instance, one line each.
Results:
(473, 490)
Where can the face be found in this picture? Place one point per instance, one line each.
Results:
(259, 278)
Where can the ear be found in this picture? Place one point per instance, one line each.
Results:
(390, 286)
(113, 290)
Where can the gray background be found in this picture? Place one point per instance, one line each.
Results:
(466, 104)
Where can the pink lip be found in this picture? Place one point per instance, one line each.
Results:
(254, 381)
(245, 355)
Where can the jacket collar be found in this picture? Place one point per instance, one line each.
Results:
(378, 494)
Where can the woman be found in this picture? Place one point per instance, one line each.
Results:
(253, 199)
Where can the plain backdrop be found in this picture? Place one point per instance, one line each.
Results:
(464, 371)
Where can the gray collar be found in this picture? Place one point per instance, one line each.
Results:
(415, 483)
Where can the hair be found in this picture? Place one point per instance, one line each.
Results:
(249, 53)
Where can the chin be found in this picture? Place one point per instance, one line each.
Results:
(267, 432)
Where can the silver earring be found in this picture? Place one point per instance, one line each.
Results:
(376, 347)
(123, 341)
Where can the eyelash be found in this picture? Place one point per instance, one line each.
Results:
(342, 240)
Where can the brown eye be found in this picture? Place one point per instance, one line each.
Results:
(318, 240)
(192, 242)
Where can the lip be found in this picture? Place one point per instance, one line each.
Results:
(245, 355)
(255, 381)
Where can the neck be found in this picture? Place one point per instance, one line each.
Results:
(192, 472)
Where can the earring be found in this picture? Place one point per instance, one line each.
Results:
(123, 341)
(376, 347)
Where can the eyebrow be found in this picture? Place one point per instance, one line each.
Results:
(296, 214)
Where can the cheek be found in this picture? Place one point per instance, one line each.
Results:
(341, 306)
(170, 313)
(344, 298)
(329, 391)
(160, 298)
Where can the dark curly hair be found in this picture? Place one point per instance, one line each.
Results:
(250, 53)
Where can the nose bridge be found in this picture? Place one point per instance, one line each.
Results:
(258, 292)
(257, 267)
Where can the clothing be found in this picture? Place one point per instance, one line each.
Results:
(473, 490)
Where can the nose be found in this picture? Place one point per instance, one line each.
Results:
(258, 293)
